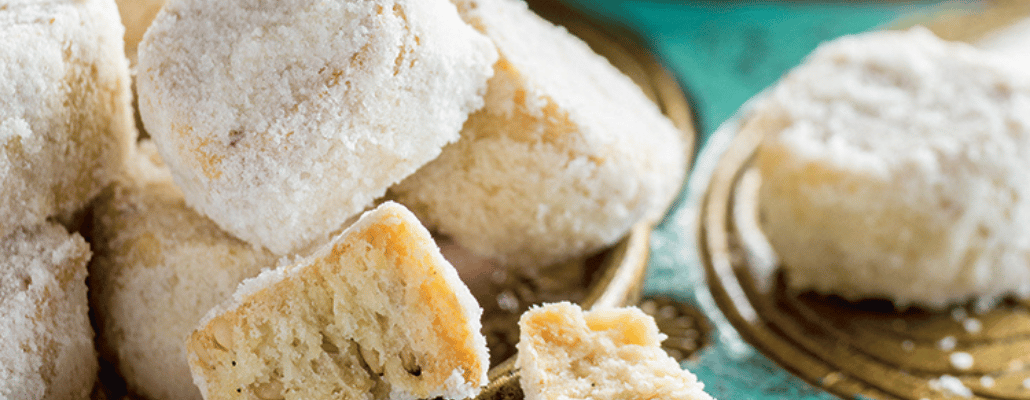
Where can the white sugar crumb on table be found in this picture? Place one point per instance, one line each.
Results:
(831, 378)
(983, 305)
(947, 343)
(508, 301)
(972, 325)
(1026, 383)
(959, 314)
(961, 360)
(950, 384)
(908, 345)
(986, 381)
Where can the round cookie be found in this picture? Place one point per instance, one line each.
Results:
(279, 122)
(895, 166)
(66, 116)
(566, 155)
(159, 266)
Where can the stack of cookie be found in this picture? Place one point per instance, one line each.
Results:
(261, 245)
(65, 130)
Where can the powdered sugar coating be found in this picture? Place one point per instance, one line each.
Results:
(565, 156)
(896, 167)
(47, 347)
(158, 268)
(282, 119)
(65, 114)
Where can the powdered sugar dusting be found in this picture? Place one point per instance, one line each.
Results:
(952, 385)
(280, 124)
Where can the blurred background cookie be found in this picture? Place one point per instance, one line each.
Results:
(895, 166)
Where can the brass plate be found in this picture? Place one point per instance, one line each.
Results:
(853, 350)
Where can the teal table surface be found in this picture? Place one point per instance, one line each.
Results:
(724, 53)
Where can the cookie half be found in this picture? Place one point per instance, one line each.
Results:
(377, 312)
(566, 353)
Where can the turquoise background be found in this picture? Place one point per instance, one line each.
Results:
(724, 53)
